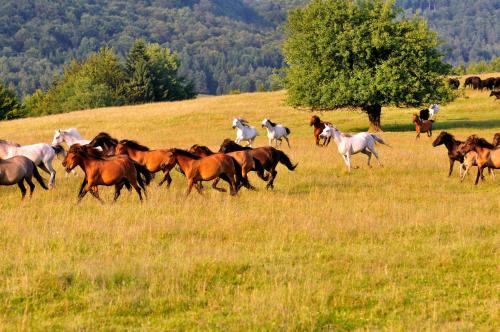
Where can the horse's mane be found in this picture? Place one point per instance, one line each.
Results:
(202, 148)
(483, 143)
(233, 145)
(243, 122)
(73, 131)
(2, 141)
(87, 152)
(185, 153)
(271, 123)
(134, 145)
(104, 137)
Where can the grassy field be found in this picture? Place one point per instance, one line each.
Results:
(399, 247)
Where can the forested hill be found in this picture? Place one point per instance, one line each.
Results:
(223, 45)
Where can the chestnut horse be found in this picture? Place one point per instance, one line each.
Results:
(199, 169)
(247, 162)
(153, 160)
(268, 156)
(318, 129)
(117, 170)
(487, 154)
(422, 126)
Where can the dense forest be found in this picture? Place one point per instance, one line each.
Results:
(222, 45)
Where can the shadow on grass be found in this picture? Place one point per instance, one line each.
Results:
(441, 125)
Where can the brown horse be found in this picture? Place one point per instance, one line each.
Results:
(153, 160)
(453, 147)
(117, 170)
(199, 169)
(268, 156)
(422, 126)
(318, 129)
(105, 142)
(487, 154)
(496, 139)
(247, 162)
(18, 169)
(495, 93)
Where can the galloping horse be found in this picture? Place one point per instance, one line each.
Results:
(318, 129)
(41, 154)
(351, 144)
(244, 131)
(268, 156)
(487, 154)
(70, 136)
(453, 147)
(199, 169)
(18, 169)
(244, 158)
(422, 126)
(118, 171)
(276, 132)
(153, 160)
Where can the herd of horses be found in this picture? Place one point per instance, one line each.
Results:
(476, 83)
(108, 161)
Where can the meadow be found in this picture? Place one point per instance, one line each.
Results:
(398, 247)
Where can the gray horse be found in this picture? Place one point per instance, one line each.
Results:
(16, 170)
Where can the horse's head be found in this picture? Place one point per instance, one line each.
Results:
(265, 123)
(169, 162)
(440, 139)
(314, 120)
(415, 118)
(200, 150)
(496, 139)
(229, 146)
(73, 157)
(58, 137)
(469, 144)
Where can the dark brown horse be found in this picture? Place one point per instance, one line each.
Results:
(473, 82)
(318, 129)
(495, 93)
(117, 170)
(105, 142)
(247, 162)
(153, 160)
(199, 169)
(18, 169)
(268, 156)
(487, 154)
(453, 147)
(453, 83)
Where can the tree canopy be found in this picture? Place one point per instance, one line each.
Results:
(361, 54)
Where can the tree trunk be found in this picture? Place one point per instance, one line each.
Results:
(374, 112)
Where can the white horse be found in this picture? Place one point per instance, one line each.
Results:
(70, 136)
(352, 144)
(244, 131)
(40, 154)
(433, 111)
(276, 132)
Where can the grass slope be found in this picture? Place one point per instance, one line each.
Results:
(398, 247)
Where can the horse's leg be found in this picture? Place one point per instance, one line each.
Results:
(452, 161)
(21, 186)
(347, 159)
(190, 187)
(329, 139)
(270, 141)
(118, 188)
(287, 142)
(166, 178)
(479, 173)
(95, 193)
(31, 185)
(369, 154)
(133, 182)
(214, 185)
(270, 184)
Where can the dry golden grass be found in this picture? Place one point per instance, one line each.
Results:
(399, 247)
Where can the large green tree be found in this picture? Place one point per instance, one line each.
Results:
(10, 108)
(361, 54)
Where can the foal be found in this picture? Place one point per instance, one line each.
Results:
(487, 154)
(422, 126)
(319, 126)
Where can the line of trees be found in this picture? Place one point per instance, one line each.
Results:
(147, 74)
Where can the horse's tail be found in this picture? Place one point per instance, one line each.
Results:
(283, 158)
(379, 140)
(142, 171)
(38, 177)
(259, 169)
(287, 130)
(240, 180)
(139, 175)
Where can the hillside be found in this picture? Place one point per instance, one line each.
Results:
(223, 47)
(386, 248)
